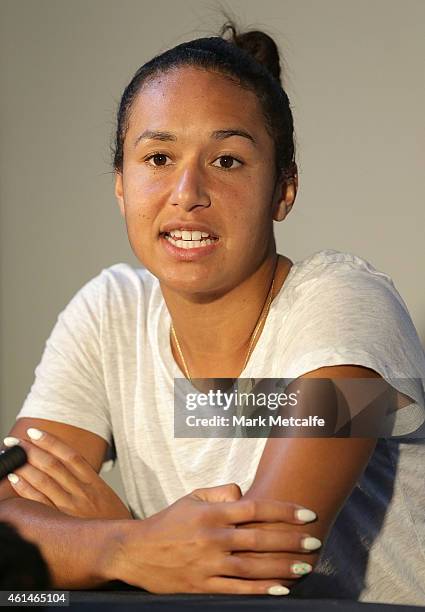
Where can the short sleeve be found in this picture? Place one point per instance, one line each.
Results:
(347, 312)
(69, 381)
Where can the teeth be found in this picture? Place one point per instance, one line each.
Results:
(189, 244)
(188, 234)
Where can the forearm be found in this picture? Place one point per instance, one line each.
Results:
(80, 553)
(318, 474)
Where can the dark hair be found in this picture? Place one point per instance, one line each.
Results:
(251, 59)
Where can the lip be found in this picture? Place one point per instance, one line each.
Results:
(185, 225)
(192, 254)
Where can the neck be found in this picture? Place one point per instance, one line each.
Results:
(219, 331)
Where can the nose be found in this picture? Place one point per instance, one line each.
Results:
(189, 188)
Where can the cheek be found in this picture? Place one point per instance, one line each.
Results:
(141, 204)
(250, 212)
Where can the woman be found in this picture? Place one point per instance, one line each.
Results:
(204, 163)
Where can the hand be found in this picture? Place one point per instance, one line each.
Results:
(58, 476)
(232, 492)
(189, 547)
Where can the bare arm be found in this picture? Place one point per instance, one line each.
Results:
(184, 548)
(73, 548)
(318, 473)
(76, 550)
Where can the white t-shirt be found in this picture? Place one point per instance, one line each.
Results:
(108, 367)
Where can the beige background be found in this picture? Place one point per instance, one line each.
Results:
(355, 76)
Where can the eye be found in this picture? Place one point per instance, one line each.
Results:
(226, 162)
(159, 159)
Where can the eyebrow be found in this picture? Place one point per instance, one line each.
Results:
(217, 135)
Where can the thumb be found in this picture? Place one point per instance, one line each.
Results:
(224, 493)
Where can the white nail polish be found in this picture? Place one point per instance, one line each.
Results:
(13, 478)
(10, 441)
(302, 514)
(277, 589)
(34, 434)
(299, 568)
(311, 543)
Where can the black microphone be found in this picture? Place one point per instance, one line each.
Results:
(11, 460)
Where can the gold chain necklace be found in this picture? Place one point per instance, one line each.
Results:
(254, 334)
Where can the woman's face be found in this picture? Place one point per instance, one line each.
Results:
(197, 174)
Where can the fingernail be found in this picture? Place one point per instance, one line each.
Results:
(302, 514)
(300, 568)
(34, 434)
(277, 589)
(13, 478)
(311, 543)
(10, 441)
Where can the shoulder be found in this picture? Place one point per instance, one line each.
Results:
(330, 263)
(124, 276)
(343, 279)
(116, 294)
(119, 281)
(340, 300)
(344, 311)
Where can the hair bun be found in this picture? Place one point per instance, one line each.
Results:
(258, 44)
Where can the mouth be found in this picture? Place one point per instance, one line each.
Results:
(189, 240)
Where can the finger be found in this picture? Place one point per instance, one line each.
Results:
(259, 510)
(234, 586)
(260, 540)
(222, 493)
(24, 489)
(77, 464)
(263, 555)
(51, 466)
(44, 484)
(244, 567)
(74, 461)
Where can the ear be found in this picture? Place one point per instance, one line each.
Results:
(119, 192)
(284, 196)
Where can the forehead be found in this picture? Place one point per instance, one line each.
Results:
(190, 96)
